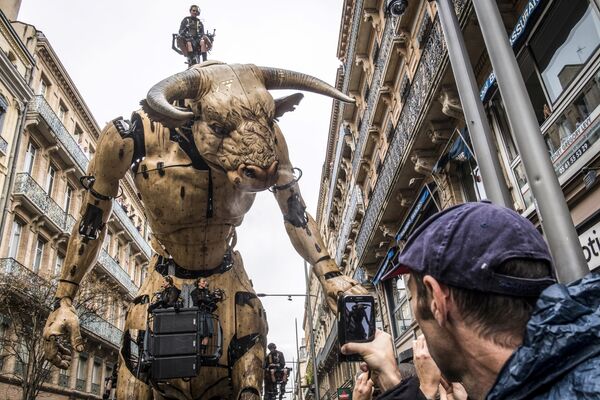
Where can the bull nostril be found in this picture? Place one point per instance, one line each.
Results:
(249, 173)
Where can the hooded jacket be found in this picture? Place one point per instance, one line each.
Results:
(560, 355)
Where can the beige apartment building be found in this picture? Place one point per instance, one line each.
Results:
(402, 151)
(47, 137)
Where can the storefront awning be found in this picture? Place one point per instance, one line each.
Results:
(403, 232)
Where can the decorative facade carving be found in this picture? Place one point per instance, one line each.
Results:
(451, 103)
(372, 15)
(439, 132)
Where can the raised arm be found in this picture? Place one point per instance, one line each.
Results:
(304, 233)
(111, 162)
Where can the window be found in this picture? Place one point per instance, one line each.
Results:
(401, 314)
(15, 239)
(50, 179)
(62, 112)
(118, 252)
(576, 129)
(81, 372)
(43, 87)
(68, 198)
(3, 109)
(97, 372)
(29, 158)
(564, 43)
(39, 254)
(107, 240)
(533, 86)
(60, 260)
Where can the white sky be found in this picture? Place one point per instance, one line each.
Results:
(116, 50)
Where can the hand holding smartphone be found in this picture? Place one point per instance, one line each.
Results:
(356, 322)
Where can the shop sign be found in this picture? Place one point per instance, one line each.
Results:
(517, 32)
(344, 393)
(590, 244)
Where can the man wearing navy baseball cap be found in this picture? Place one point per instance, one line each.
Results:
(484, 295)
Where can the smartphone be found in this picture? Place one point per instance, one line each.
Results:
(356, 322)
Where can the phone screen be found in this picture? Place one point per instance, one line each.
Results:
(359, 327)
(356, 321)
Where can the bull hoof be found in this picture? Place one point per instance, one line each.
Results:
(249, 394)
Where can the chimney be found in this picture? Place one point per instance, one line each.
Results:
(10, 8)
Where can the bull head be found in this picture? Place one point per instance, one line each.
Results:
(233, 115)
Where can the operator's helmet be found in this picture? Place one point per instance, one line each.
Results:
(193, 6)
(271, 346)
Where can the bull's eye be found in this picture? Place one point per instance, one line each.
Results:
(219, 130)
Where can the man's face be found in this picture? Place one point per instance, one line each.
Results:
(440, 341)
(195, 12)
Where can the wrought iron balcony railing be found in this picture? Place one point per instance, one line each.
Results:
(3, 146)
(113, 268)
(58, 130)
(26, 186)
(102, 328)
(40, 106)
(133, 232)
(12, 269)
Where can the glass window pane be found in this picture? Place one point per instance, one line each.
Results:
(533, 86)
(15, 239)
(566, 40)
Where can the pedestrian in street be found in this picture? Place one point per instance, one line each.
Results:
(494, 318)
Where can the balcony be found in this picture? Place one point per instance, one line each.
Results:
(39, 109)
(326, 351)
(111, 267)
(80, 385)
(63, 380)
(3, 146)
(349, 214)
(96, 389)
(103, 329)
(35, 196)
(14, 270)
(131, 229)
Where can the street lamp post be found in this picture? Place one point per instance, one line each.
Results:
(298, 382)
(311, 333)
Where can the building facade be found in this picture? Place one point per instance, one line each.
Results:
(47, 139)
(402, 152)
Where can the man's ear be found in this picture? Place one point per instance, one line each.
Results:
(440, 296)
(287, 103)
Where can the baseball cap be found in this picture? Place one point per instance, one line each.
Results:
(463, 245)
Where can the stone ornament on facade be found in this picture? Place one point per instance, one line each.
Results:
(198, 169)
(451, 103)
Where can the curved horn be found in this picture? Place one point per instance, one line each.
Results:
(183, 85)
(277, 78)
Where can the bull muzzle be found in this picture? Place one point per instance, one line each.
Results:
(254, 178)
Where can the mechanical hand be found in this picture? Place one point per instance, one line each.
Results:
(62, 321)
(335, 283)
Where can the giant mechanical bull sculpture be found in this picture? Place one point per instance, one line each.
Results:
(198, 166)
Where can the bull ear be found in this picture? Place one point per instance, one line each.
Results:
(287, 103)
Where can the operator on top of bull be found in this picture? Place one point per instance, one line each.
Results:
(197, 169)
(191, 30)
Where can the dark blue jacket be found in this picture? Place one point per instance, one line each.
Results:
(560, 355)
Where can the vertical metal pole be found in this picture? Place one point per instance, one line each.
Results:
(311, 333)
(299, 381)
(476, 120)
(554, 213)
